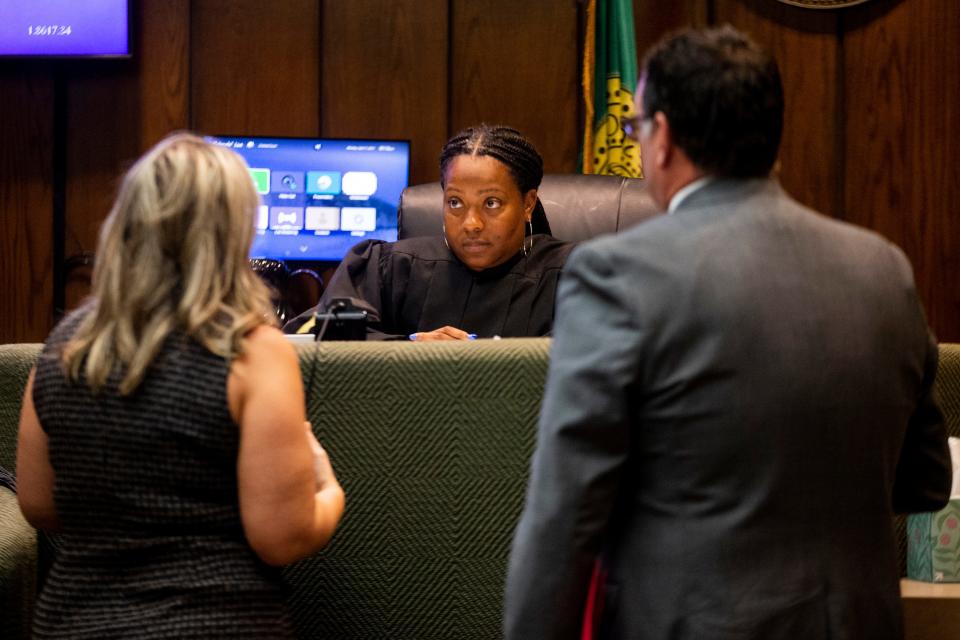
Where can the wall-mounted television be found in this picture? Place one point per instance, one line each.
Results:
(65, 28)
(321, 196)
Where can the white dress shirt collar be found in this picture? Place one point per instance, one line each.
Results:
(687, 191)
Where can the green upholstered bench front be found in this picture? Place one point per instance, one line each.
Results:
(18, 569)
(16, 360)
(431, 443)
(18, 540)
(948, 386)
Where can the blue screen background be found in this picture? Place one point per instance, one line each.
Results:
(83, 27)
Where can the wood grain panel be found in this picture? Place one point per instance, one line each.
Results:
(102, 137)
(116, 111)
(164, 69)
(256, 67)
(384, 74)
(652, 22)
(903, 141)
(26, 203)
(805, 44)
(516, 63)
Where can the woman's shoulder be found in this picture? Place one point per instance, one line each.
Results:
(67, 327)
(50, 365)
(549, 252)
(264, 343)
(265, 353)
(267, 362)
(422, 248)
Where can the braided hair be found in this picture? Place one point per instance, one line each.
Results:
(509, 147)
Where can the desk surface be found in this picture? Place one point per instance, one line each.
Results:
(917, 589)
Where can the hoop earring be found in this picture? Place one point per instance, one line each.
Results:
(526, 249)
(443, 226)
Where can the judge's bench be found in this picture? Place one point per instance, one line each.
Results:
(431, 442)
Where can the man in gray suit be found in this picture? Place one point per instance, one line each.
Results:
(739, 394)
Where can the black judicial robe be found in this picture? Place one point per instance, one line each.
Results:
(418, 284)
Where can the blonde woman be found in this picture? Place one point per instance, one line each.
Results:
(163, 432)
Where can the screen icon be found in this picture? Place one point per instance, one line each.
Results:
(323, 182)
(323, 218)
(359, 183)
(287, 181)
(286, 219)
(263, 217)
(261, 179)
(358, 218)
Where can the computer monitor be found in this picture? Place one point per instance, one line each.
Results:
(319, 197)
(65, 28)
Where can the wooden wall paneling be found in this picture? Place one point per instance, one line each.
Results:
(116, 111)
(102, 138)
(805, 44)
(26, 202)
(903, 140)
(384, 74)
(164, 69)
(516, 63)
(100, 141)
(255, 67)
(653, 20)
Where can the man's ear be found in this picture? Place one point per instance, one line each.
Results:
(662, 139)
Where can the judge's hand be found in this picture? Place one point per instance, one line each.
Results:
(443, 333)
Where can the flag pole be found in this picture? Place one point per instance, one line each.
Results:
(589, 69)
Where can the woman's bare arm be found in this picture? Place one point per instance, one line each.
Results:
(35, 478)
(290, 500)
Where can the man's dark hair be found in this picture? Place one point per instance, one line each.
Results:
(503, 143)
(722, 96)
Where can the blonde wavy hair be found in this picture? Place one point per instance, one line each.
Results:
(172, 256)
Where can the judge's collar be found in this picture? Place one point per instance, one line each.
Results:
(495, 272)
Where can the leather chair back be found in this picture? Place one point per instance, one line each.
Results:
(578, 207)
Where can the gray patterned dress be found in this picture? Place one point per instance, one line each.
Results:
(146, 491)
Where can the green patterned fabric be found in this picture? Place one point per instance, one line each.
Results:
(431, 443)
(18, 569)
(18, 540)
(16, 360)
(948, 386)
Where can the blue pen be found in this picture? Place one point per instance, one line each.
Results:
(412, 336)
(471, 336)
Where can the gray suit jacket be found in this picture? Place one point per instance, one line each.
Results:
(739, 397)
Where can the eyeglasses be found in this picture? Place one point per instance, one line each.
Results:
(633, 127)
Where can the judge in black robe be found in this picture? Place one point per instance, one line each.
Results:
(490, 274)
(418, 285)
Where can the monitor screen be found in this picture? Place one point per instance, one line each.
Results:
(319, 197)
(64, 28)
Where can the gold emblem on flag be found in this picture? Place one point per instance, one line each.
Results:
(613, 152)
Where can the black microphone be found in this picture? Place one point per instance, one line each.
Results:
(341, 320)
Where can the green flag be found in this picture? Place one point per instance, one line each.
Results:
(609, 84)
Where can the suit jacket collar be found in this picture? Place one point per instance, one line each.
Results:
(721, 191)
